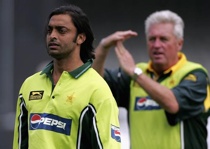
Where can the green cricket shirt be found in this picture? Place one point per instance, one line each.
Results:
(151, 127)
(79, 112)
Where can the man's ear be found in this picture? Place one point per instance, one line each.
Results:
(180, 44)
(80, 38)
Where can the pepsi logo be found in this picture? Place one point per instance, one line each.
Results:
(146, 103)
(141, 102)
(115, 133)
(50, 122)
(35, 121)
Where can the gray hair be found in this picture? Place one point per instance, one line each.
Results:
(166, 16)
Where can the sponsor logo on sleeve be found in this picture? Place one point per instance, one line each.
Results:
(36, 95)
(145, 103)
(115, 133)
(191, 77)
(50, 122)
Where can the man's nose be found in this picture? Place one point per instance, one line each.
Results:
(53, 34)
(157, 43)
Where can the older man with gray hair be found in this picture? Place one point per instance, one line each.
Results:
(167, 98)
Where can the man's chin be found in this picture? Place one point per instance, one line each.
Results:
(158, 61)
(55, 56)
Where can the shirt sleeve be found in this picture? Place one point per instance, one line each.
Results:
(119, 83)
(101, 123)
(190, 95)
(20, 139)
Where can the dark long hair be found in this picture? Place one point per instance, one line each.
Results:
(81, 22)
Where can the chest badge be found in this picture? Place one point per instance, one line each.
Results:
(69, 98)
(36, 95)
